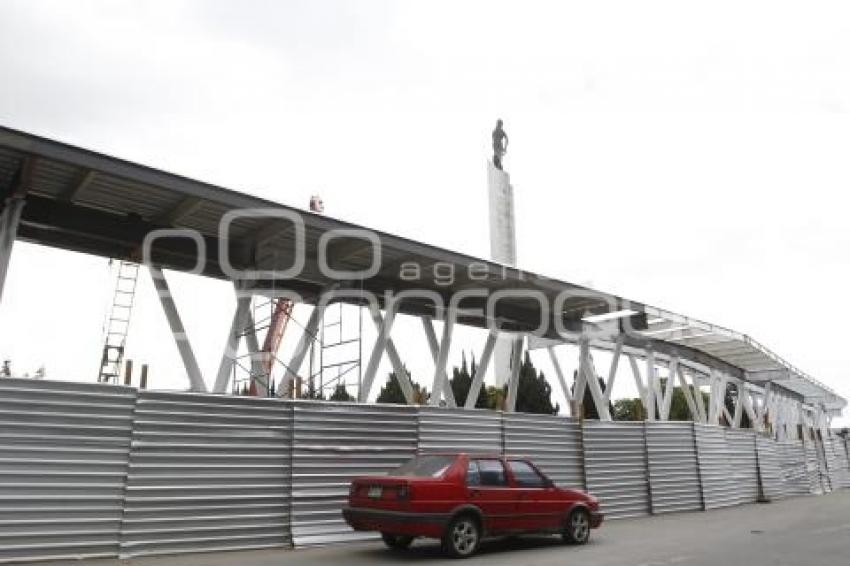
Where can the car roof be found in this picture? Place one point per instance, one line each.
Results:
(474, 455)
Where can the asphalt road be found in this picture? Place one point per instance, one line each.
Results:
(805, 531)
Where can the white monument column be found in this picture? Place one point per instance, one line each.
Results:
(502, 250)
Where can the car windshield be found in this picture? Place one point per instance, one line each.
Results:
(425, 466)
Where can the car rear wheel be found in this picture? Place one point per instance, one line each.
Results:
(396, 542)
(462, 537)
(577, 529)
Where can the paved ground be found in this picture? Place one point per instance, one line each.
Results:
(808, 531)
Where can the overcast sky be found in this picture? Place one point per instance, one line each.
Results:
(693, 156)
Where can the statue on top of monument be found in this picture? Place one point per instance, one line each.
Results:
(500, 144)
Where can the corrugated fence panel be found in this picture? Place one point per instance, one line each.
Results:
(718, 484)
(615, 467)
(207, 473)
(771, 479)
(459, 430)
(835, 462)
(63, 459)
(813, 468)
(673, 472)
(552, 443)
(794, 467)
(844, 456)
(333, 443)
(742, 459)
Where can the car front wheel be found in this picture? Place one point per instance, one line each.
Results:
(577, 529)
(462, 537)
(396, 542)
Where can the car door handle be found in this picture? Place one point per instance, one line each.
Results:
(474, 493)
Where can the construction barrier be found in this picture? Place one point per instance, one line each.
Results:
(743, 464)
(333, 443)
(552, 443)
(771, 479)
(92, 471)
(207, 473)
(63, 468)
(616, 468)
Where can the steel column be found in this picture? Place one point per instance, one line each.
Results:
(9, 220)
(228, 358)
(190, 363)
(481, 370)
(441, 386)
(395, 359)
(516, 361)
(561, 379)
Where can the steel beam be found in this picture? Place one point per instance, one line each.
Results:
(402, 376)
(228, 358)
(513, 384)
(481, 370)
(559, 372)
(587, 367)
(9, 220)
(612, 371)
(441, 386)
(668, 389)
(651, 389)
(190, 363)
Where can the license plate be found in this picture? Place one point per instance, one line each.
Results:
(375, 492)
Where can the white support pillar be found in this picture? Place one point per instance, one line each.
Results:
(481, 370)
(748, 407)
(10, 218)
(228, 357)
(561, 379)
(667, 400)
(642, 390)
(612, 371)
(696, 415)
(592, 380)
(190, 363)
(651, 405)
(303, 347)
(440, 353)
(395, 359)
(516, 362)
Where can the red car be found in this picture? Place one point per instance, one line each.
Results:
(461, 498)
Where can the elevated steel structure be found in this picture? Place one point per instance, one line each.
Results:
(62, 196)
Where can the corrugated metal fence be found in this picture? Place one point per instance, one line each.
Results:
(332, 443)
(207, 473)
(63, 464)
(616, 467)
(553, 444)
(674, 479)
(772, 482)
(103, 471)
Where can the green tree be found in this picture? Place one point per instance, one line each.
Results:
(534, 394)
(588, 404)
(461, 383)
(341, 394)
(628, 410)
(391, 391)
